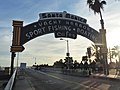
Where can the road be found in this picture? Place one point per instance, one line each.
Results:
(54, 81)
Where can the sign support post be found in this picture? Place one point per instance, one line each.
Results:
(16, 46)
(104, 51)
(12, 62)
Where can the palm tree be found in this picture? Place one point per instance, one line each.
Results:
(96, 52)
(96, 6)
(116, 52)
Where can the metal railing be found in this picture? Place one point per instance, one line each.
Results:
(10, 83)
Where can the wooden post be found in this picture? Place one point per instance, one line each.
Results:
(16, 47)
(12, 62)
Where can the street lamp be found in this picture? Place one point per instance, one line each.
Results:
(35, 60)
(67, 54)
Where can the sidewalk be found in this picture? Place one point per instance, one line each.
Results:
(115, 77)
(22, 82)
(112, 75)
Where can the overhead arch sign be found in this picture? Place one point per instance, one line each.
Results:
(62, 24)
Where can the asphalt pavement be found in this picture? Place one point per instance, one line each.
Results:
(23, 81)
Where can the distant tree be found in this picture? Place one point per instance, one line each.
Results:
(93, 66)
(69, 62)
(76, 64)
(84, 58)
(81, 65)
(115, 51)
(86, 66)
(59, 64)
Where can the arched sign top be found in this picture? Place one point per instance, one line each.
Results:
(60, 27)
(62, 24)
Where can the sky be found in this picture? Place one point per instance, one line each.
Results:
(47, 49)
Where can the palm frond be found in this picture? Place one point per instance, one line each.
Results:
(103, 2)
(96, 5)
(93, 46)
(89, 1)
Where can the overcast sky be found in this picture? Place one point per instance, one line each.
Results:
(47, 49)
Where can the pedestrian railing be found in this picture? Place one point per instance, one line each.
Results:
(11, 82)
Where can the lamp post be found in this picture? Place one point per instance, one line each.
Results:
(34, 58)
(67, 53)
(35, 61)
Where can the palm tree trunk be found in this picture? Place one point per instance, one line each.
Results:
(101, 21)
(106, 69)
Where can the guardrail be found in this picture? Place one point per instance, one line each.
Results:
(10, 83)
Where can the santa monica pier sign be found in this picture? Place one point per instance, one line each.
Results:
(62, 24)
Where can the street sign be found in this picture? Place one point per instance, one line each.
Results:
(67, 34)
(64, 15)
